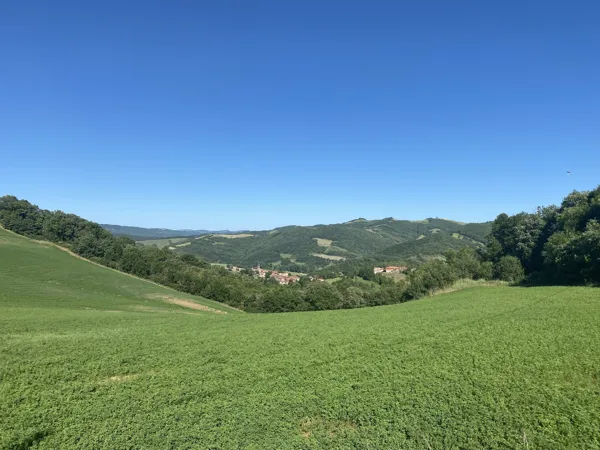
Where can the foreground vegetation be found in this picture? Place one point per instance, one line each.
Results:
(93, 358)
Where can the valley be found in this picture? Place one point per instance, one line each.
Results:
(93, 358)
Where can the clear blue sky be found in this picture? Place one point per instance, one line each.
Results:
(254, 114)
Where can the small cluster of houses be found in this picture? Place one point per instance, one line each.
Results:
(390, 269)
(280, 277)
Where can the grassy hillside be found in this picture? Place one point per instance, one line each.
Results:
(316, 246)
(36, 274)
(90, 361)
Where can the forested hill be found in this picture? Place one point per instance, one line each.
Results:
(140, 233)
(305, 248)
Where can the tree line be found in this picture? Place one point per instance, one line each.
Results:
(556, 244)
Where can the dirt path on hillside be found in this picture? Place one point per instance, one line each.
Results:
(186, 303)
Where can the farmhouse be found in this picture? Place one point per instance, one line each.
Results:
(396, 269)
(390, 269)
(280, 277)
(262, 273)
(318, 278)
(284, 278)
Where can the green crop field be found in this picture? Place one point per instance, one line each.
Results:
(91, 358)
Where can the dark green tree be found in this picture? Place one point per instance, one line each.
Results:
(509, 268)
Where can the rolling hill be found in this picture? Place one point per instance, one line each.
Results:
(140, 233)
(93, 358)
(39, 272)
(310, 247)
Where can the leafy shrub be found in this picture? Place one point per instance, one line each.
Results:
(486, 271)
(430, 277)
(509, 268)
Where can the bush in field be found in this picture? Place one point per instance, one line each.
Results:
(486, 271)
(509, 268)
(283, 299)
(323, 296)
(430, 277)
(467, 263)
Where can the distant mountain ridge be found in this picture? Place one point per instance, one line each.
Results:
(140, 233)
(305, 248)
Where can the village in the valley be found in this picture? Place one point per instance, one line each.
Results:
(390, 269)
(287, 278)
(280, 277)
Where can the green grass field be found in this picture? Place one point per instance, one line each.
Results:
(91, 358)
